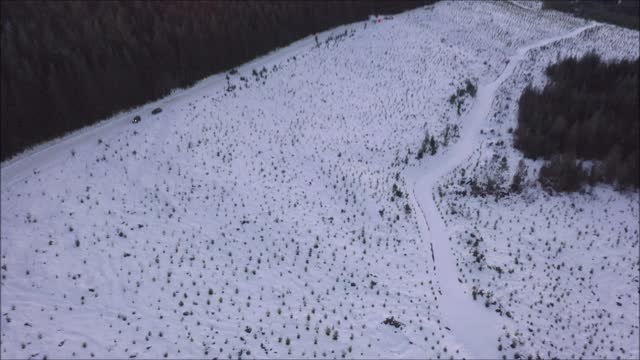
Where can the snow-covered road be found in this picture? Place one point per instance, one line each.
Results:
(52, 153)
(473, 325)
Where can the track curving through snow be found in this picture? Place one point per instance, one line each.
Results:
(475, 327)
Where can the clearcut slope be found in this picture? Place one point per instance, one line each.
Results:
(255, 217)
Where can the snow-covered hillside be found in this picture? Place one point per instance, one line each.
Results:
(563, 269)
(272, 212)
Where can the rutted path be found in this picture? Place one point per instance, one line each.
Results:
(476, 328)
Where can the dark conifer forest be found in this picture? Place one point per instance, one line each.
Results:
(587, 111)
(67, 64)
(619, 12)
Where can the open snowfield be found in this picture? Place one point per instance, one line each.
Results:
(282, 213)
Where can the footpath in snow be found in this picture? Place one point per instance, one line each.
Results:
(474, 326)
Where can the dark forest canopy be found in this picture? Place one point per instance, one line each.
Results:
(587, 111)
(618, 12)
(67, 64)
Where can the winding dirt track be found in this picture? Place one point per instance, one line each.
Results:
(475, 327)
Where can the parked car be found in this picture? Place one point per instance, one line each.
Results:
(156, 111)
(136, 119)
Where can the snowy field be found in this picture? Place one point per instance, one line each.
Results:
(276, 212)
(562, 270)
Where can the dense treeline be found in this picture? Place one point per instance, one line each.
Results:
(587, 111)
(619, 12)
(67, 64)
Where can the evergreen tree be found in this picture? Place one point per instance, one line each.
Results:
(519, 177)
(433, 146)
(589, 108)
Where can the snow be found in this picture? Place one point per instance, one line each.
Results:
(569, 263)
(456, 302)
(532, 5)
(248, 223)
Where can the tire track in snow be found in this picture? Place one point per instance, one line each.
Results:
(474, 327)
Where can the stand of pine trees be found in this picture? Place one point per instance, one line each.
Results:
(67, 64)
(587, 111)
(618, 12)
